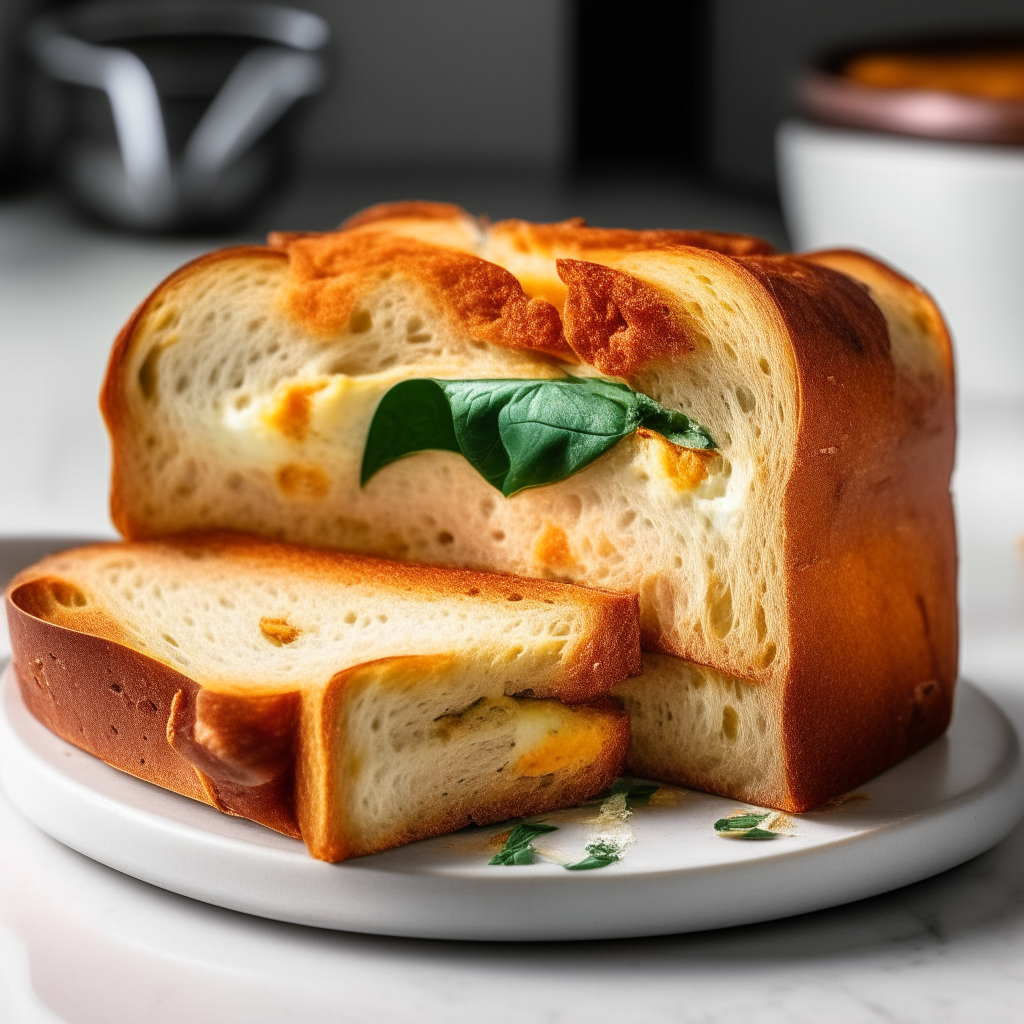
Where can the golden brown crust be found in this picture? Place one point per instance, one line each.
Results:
(330, 273)
(616, 322)
(916, 304)
(407, 209)
(138, 714)
(870, 544)
(575, 237)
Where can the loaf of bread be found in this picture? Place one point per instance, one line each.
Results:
(354, 702)
(758, 445)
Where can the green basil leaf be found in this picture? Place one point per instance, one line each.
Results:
(601, 855)
(677, 427)
(637, 791)
(475, 412)
(518, 433)
(556, 428)
(518, 849)
(740, 823)
(413, 416)
(744, 826)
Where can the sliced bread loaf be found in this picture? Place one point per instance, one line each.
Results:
(354, 702)
(799, 537)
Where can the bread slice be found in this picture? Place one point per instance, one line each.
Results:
(353, 702)
(812, 554)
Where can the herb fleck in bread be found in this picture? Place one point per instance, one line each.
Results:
(811, 554)
(355, 702)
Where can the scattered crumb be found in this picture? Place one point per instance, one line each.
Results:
(611, 826)
(614, 811)
(780, 823)
(666, 797)
(846, 798)
(499, 839)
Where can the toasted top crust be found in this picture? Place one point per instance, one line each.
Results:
(530, 251)
(330, 273)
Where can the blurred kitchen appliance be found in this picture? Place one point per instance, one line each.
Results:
(926, 170)
(178, 113)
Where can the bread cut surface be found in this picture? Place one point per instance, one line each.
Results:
(358, 703)
(812, 553)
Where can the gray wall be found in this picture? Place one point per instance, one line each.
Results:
(760, 46)
(442, 82)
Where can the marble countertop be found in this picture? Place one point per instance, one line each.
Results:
(80, 943)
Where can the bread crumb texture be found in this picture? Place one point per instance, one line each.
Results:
(696, 727)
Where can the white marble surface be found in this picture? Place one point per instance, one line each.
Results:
(80, 943)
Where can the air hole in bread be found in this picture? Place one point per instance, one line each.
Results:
(746, 398)
(168, 318)
(414, 332)
(148, 372)
(360, 321)
(759, 622)
(767, 655)
(170, 639)
(730, 722)
(720, 611)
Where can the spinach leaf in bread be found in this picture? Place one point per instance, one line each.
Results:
(518, 433)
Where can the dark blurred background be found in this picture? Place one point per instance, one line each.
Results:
(651, 112)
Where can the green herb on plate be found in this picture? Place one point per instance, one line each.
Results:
(601, 854)
(637, 792)
(518, 849)
(744, 826)
(518, 433)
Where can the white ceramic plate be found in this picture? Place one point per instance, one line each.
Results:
(939, 808)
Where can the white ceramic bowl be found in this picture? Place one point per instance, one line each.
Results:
(948, 214)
